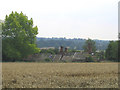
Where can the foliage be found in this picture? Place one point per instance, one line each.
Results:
(112, 51)
(51, 51)
(89, 59)
(100, 55)
(76, 44)
(89, 46)
(0, 27)
(72, 50)
(19, 36)
(48, 60)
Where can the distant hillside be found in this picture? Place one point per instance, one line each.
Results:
(72, 43)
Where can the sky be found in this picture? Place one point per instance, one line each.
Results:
(95, 19)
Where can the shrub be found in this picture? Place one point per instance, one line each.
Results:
(48, 60)
(89, 59)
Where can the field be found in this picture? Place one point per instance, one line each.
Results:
(60, 75)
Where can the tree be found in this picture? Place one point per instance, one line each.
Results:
(89, 46)
(100, 55)
(19, 37)
(112, 51)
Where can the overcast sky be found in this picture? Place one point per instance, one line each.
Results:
(95, 19)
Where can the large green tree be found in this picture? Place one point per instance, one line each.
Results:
(89, 46)
(19, 36)
(112, 51)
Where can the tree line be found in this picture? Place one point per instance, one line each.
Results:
(76, 43)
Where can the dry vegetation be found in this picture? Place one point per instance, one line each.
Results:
(60, 75)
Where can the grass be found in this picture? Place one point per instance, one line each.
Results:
(60, 75)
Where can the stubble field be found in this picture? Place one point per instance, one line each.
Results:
(60, 75)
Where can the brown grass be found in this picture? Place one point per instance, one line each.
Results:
(60, 75)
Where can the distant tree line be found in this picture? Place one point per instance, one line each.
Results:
(75, 43)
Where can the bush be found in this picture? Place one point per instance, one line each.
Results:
(48, 60)
(51, 51)
(89, 59)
